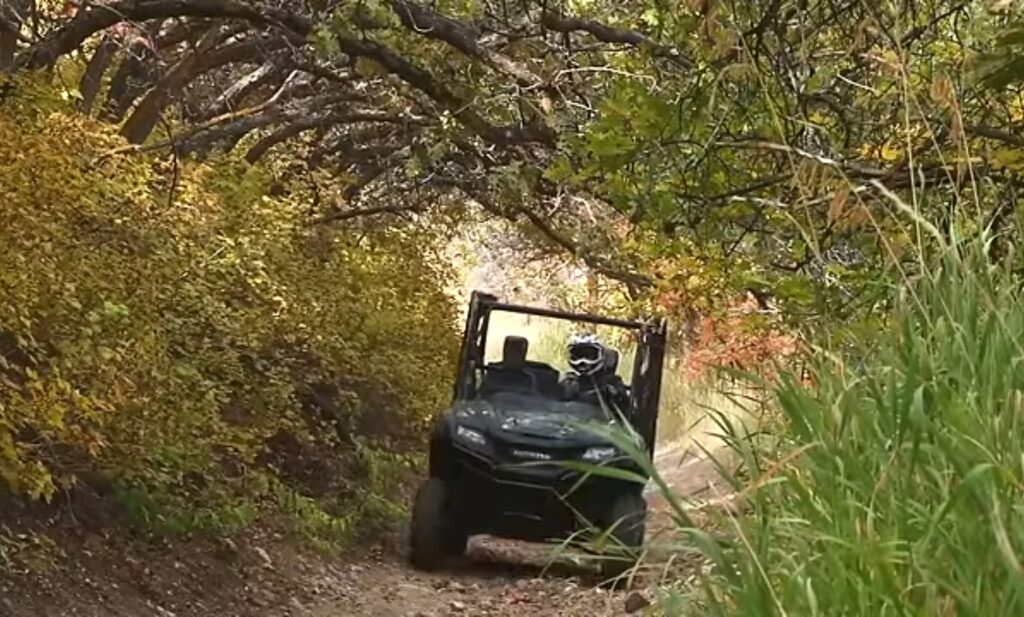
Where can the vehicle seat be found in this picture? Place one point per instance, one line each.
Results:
(546, 378)
(510, 374)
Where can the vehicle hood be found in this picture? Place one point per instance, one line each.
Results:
(530, 416)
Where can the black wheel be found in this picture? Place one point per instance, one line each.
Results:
(435, 532)
(626, 516)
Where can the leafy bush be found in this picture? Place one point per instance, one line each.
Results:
(177, 328)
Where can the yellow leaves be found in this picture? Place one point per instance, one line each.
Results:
(890, 152)
(1016, 108)
(1008, 158)
(739, 72)
(19, 472)
(886, 58)
(140, 318)
(368, 68)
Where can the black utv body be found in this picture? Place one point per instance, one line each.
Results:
(496, 454)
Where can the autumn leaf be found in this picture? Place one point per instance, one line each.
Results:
(942, 91)
(838, 204)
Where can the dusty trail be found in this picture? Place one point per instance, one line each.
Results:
(500, 578)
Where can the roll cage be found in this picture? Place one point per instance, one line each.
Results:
(645, 390)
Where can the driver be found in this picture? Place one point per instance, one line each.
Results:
(593, 379)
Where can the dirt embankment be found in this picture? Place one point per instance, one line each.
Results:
(95, 569)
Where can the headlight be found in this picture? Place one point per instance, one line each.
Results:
(470, 435)
(599, 453)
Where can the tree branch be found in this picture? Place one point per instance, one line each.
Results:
(89, 85)
(231, 97)
(130, 79)
(306, 123)
(9, 37)
(145, 116)
(461, 36)
(96, 17)
(996, 134)
(598, 264)
(756, 144)
(203, 59)
(461, 109)
(608, 34)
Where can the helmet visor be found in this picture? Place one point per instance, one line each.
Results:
(585, 351)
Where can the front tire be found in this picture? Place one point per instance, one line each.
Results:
(626, 516)
(435, 532)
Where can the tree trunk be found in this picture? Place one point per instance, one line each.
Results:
(11, 13)
(89, 86)
(129, 81)
(202, 59)
(144, 118)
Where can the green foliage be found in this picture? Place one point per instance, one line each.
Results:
(1003, 65)
(167, 325)
(752, 168)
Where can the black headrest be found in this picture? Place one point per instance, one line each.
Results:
(513, 354)
(611, 360)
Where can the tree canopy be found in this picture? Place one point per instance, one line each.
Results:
(697, 149)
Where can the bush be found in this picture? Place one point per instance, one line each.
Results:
(174, 327)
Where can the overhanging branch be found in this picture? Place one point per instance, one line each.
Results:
(461, 36)
(609, 34)
(97, 17)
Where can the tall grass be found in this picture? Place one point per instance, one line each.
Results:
(898, 484)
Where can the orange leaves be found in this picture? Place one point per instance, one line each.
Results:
(735, 340)
(837, 206)
(670, 301)
(846, 211)
(942, 91)
(943, 94)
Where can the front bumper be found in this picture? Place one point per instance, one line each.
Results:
(526, 500)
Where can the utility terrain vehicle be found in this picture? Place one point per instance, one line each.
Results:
(497, 454)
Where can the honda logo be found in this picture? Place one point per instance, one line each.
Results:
(530, 454)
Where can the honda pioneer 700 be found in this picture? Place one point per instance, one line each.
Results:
(497, 454)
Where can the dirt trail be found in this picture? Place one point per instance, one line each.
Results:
(497, 579)
(500, 578)
(100, 571)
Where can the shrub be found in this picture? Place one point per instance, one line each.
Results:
(174, 326)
